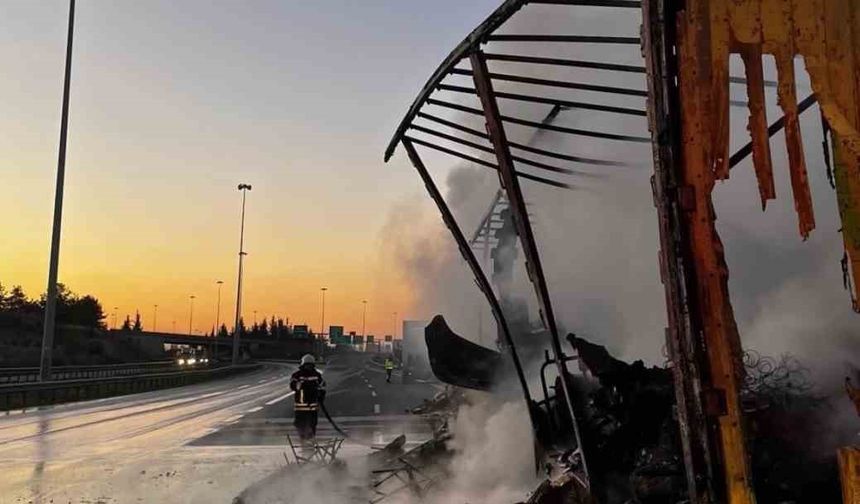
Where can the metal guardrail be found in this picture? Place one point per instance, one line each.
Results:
(31, 374)
(27, 395)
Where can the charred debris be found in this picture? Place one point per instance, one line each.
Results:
(717, 424)
(628, 423)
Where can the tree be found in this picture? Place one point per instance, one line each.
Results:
(263, 329)
(137, 327)
(126, 325)
(3, 294)
(86, 311)
(274, 329)
(17, 301)
(283, 329)
(222, 332)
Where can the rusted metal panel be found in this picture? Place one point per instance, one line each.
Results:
(846, 169)
(682, 342)
(745, 21)
(719, 30)
(811, 33)
(842, 73)
(757, 126)
(849, 472)
(787, 92)
(720, 334)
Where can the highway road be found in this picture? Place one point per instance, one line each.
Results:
(198, 444)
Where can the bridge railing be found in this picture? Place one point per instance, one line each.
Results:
(31, 374)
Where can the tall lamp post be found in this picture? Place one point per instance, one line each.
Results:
(217, 330)
(244, 188)
(155, 318)
(191, 315)
(363, 317)
(115, 308)
(218, 308)
(394, 333)
(322, 321)
(51, 296)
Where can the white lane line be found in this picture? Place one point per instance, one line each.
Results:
(263, 380)
(373, 393)
(243, 386)
(279, 399)
(254, 410)
(375, 409)
(232, 419)
(212, 394)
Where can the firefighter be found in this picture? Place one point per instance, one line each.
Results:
(309, 388)
(389, 367)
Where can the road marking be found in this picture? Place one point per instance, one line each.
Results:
(263, 380)
(254, 410)
(232, 419)
(279, 399)
(243, 386)
(373, 393)
(369, 386)
(375, 409)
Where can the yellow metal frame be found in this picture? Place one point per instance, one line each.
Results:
(826, 34)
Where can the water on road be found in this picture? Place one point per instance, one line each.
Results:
(204, 443)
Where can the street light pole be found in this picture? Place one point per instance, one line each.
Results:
(363, 317)
(51, 296)
(155, 318)
(394, 334)
(191, 316)
(115, 308)
(322, 321)
(244, 188)
(218, 308)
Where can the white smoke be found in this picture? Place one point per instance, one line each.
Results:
(493, 461)
(599, 242)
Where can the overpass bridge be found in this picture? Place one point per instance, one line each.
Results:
(290, 347)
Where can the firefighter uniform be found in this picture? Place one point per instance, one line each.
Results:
(309, 388)
(389, 367)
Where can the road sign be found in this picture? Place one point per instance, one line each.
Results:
(335, 334)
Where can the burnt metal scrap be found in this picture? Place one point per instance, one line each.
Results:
(628, 428)
(458, 361)
(415, 472)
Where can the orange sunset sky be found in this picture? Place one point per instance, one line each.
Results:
(175, 103)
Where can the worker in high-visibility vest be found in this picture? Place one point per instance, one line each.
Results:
(309, 388)
(389, 368)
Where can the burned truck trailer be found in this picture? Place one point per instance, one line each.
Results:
(683, 66)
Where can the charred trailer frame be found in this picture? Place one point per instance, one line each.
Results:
(686, 46)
